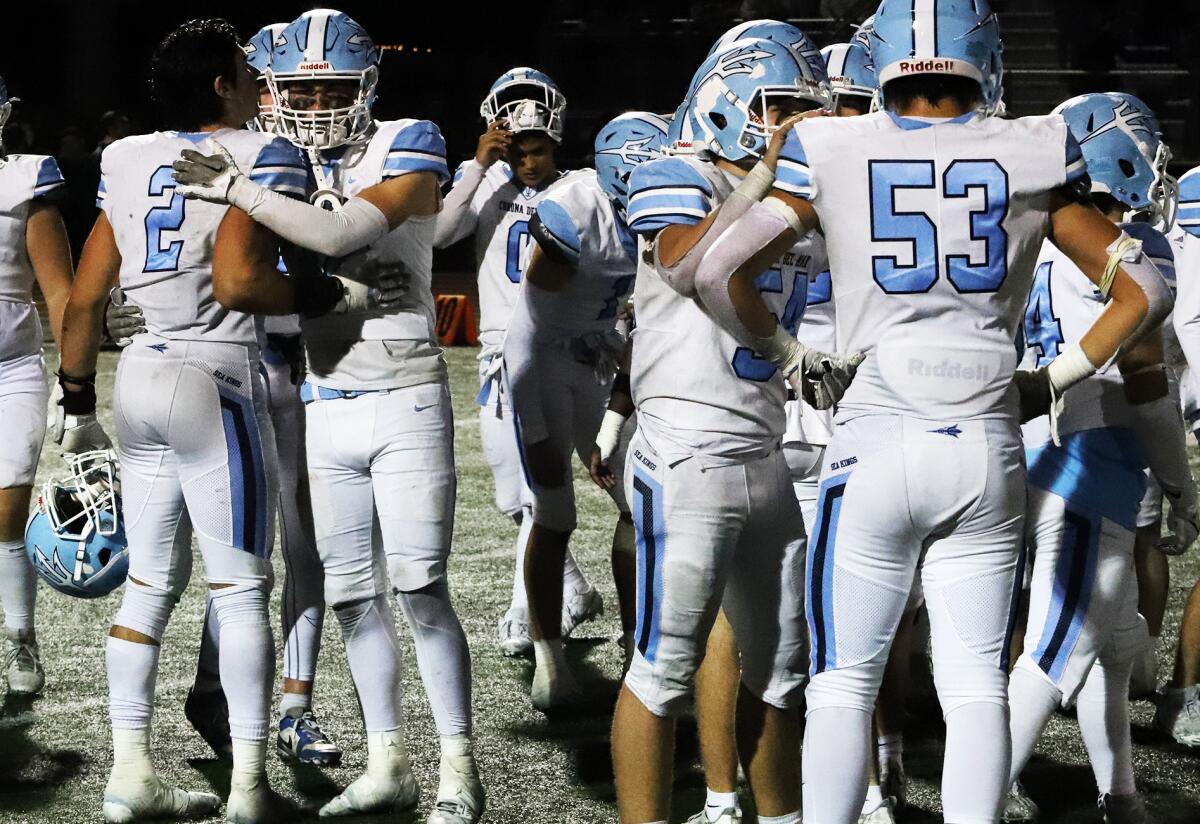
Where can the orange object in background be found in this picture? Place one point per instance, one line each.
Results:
(455, 321)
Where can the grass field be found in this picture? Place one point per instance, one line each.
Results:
(55, 751)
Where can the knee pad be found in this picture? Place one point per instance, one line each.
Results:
(429, 606)
(848, 688)
(240, 605)
(351, 616)
(145, 609)
(554, 507)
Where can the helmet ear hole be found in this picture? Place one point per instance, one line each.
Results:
(1126, 167)
(718, 120)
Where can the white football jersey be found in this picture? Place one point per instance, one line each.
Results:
(166, 241)
(817, 331)
(579, 220)
(499, 217)
(932, 228)
(1063, 304)
(23, 179)
(698, 391)
(348, 351)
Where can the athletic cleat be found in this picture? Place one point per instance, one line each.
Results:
(368, 794)
(1143, 683)
(23, 664)
(302, 740)
(208, 713)
(1123, 809)
(514, 633)
(466, 803)
(729, 815)
(462, 809)
(151, 799)
(1018, 806)
(579, 608)
(893, 782)
(883, 814)
(1178, 714)
(561, 694)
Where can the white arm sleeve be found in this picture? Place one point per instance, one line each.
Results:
(682, 275)
(457, 218)
(355, 226)
(1142, 271)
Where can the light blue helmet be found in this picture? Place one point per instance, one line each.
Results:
(850, 71)
(260, 47)
(528, 100)
(679, 133)
(955, 37)
(326, 45)
(862, 33)
(733, 89)
(623, 143)
(775, 30)
(1122, 145)
(75, 538)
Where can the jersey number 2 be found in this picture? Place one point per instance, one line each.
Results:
(165, 218)
(891, 224)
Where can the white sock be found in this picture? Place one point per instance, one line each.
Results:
(1032, 699)
(249, 762)
(132, 672)
(976, 761)
(786, 818)
(293, 701)
(549, 655)
(247, 660)
(874, 799)
(716, 803)
(837, 744)
(374, 657)
(387, 754)
(1103, 712)
(443, 658)
(457, 767)
(573, 578)
(18, 586)
(131, 754)
(520, 598)
(891, 750)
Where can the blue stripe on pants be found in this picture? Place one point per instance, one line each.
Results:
(247, 475)
(819, 574)
(651, 550)
(1074, 576)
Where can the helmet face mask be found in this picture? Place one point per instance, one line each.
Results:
(527, 100)
(75, 538)
(259, 50)
(328, 127)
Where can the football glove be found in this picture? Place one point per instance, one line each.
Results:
(206, 177)
(77, 434)
(123, 320)
(1033, 388)
(822, 378)
(1183, 526)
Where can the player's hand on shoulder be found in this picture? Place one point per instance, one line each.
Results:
(780, 135)
(824, 377)
(206, 176)
(493, 144)
(1033, 390)
(122, 320)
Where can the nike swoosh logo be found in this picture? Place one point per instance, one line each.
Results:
(418, 408)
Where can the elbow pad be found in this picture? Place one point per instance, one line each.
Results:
(682, 275)
(761, 224)
(355, 226)
(1126, 253)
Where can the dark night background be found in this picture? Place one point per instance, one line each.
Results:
(72, 62)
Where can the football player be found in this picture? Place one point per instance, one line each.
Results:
(717, 523)
(560, 360)
(1085, 476)
(35, 248)
(380, 437)
(493, 197)
(190, 411)
(1178, 711)
(924, 469)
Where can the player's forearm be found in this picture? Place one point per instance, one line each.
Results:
(355, 226)
(1159, 425)
(457, 220)
(79, 341)
(255, 288)
(50, 253)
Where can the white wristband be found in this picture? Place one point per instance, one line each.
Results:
(757, 182)
(1069, 368)
(787, 213)
(783, 350)
(610, 433)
